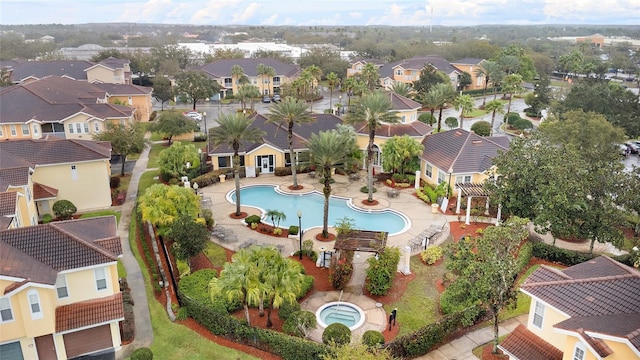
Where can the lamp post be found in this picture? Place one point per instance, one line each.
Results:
(449, 187)
(300, 231)
(195, 187)
(204, 116)
(340, 108)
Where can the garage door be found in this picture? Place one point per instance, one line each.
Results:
(11, 351)
(87, 341)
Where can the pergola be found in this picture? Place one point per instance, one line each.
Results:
(362, 240)
(471, 190)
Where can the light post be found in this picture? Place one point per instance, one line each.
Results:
(195, 187)
(204, 116)
(300, 231)
(449, 187)
(340, 108)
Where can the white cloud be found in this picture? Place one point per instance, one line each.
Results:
(590, 9)
(271, 20)
(243, 15)
(355, 14)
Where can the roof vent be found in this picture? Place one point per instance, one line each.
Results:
(476, 142)
(458, 132)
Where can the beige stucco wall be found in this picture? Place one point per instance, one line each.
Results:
(142, 103)
(476, 178)
(82, 285)
(551, 317)
(620, 350)
(409, 116)
(6, 132)
(90, 190)
(104, 75)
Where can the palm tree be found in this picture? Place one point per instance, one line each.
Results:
(332, 81)
(276, 216)
(245, 92)
(283, 279)
(445, 94)
(238, 281)
(233, 130)
(494, 106)
(328, 150)
(512, 84)
(489, 69)
(373, 110)
(263, 70)
(370, 76)
(290, 112)
(237, 75)
(401, 88)
(465, 104)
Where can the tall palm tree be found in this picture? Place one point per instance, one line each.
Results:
(328, 150)
(283, 279)
(238, 281)
(237, 75)
(373, 109)
(401, 88)
(512, 84)
(494, 106)
(488, 69)
(263, 71)
(370, 76)
(445, 94)
(233, 130)
(465, 104)
(332, 81)
(290, 112)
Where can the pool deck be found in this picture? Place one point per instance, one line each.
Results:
(418, 212)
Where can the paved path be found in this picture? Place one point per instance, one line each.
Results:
(144, 332)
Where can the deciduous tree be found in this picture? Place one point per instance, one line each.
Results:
(162, 205)
(190, 237)
(125, 140)
(196, 85)
(401, 153)
(173, 123)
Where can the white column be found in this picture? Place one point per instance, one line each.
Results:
(407, 260)
(486, 206)
(458, 201)
(499, 214)
(468, 218)
(417, 182)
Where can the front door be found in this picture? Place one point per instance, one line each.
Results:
(266, 163)
(46, 348)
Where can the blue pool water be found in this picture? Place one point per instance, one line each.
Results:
(265, 197)
(339, 312)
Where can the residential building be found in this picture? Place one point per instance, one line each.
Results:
(109, 70)
(60, 297)
(220, 71)
(470, 66)
(356, 66)
(587, 311)
(40, 172)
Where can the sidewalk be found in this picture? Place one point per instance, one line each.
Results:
(144, 332)
(460, 348)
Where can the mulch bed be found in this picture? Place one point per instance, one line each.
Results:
(369, 203)
(331, 237)
(457, 232)
(293, 188)
(242, 215)
(488, 355)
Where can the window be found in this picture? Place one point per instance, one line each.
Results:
(399, 72)
(14, 132)
(34, 304)
(441, 176)
(71, 128)
(579, 351)
(61, 287)
(35, 129)
(466, 179)
(25, 129)
(74, 173)
(5, 310)
(0, 130)
(428, 170)
(101, 279)
(96, 127)
(86, 127)
(78, 128)
(538, 315)
(224, 162)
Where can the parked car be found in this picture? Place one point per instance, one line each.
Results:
(193, 114)
(276, 98)
(633, 148)
(266, 99)
(624, 150)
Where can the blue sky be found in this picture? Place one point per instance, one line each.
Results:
(324, 12)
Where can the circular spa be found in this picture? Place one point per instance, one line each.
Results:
(340, 312)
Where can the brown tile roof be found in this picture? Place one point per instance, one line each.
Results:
(39, 252)
(619, 325)
(525, 345)
(124, 89)
(402, 103)
(13, 176)
(547, 273)
(414, 129)
(41, 192)
(468, 61)
(418, 63)
(54, 151)
(114, 63)
(222, 68)
(8, 201)
(40, 69)
(90, 312)
(460, 150)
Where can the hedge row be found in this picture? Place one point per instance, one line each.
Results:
(430, 336)
(555, 254)
(217, 320)
(213, 177)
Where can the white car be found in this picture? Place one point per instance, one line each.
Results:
(193, 114)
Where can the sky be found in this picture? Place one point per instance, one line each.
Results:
(323, 12)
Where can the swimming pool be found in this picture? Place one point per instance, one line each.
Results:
(267, 197)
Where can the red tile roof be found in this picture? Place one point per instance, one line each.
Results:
(525, 345)
(54, 151)
(90, 312)
(401, 103)
(41, 192)
(13, 176)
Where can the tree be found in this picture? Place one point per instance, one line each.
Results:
(401, 88)
(162, 205)
(465, 104)
(328, 150)
(464, 81)
(173, 123)
(370, 76)
(238, 76)
(488, 274)
(288, 113)
(511, 84)
(162, 90)
(451, 122)
(443, 93)
(491, 72)
(401, 153)
(373, 110)
(125, 140)
(247, 91)
(64, 209)
(177, 159)
(356, 351)
(494, 106)
(332, 81)
(233, 130)
(190, 237)
(276, 216)
(481, 128)
(196, 85)
(429, 76)
(263, 71)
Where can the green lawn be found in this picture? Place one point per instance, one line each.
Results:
(216, 254)
(476, 113)
(147, 179)
(122, 272)
(174, 341)
(155, 136)
(101, 213)
(419, 304)
(154, 155)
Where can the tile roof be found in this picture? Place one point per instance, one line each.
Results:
(402, 103)
(89, 312)
(460, 150)
(468, 61)
(415, 129)
(41, 192)
(40, 69)
(8, 201)
(39, 252)
(418, 63)
(13, 176)
(525, 345)
(619, 325)
(114, 63)
(124, 89)
(222, 68)
(54, 151)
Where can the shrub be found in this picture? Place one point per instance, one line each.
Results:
(365, 190)
(382, 271)
(341, 270)
(293, 230)
(307, 284)
(336, 333)
(511, 118)
(282, 171)
(277, 231)
(64, 209)
(199, 137)
(142, 353)
(482, 128)
(522, 124)
(114, 182)
(252, 219)
(47, 218)
(153, 115)
(451, 122)
(287, 308)
(372, 338)
(431, 255)
(299, 323)
(555, 254)
(427, 118)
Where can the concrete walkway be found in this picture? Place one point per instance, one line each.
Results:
(144, 332)
(460, 348)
